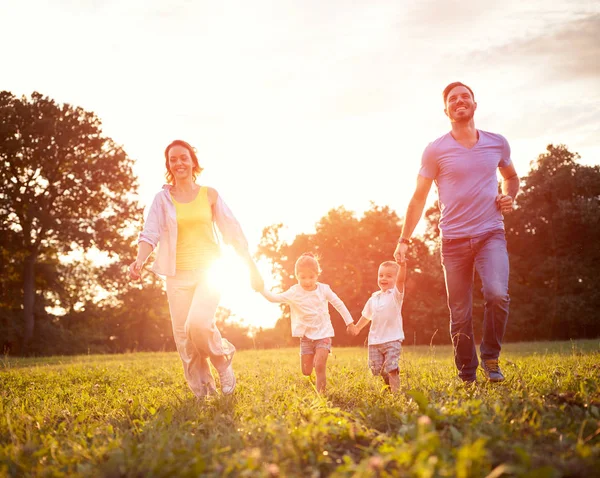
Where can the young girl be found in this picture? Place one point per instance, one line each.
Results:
(308, 301)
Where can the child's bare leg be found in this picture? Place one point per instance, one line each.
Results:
(394, 378)
(307, 362)
(321, 356)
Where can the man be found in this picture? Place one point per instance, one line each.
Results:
(463, 164)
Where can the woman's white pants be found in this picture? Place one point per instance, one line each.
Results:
(192, 304)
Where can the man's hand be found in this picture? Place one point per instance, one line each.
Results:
(400, 252)
(352, 330)
(504, 203)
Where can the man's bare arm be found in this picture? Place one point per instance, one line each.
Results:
(510, 189)
(510, 181)
(416, 206)
(413, 214)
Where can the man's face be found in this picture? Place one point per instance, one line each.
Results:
(460, 106)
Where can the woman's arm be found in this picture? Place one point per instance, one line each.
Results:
(228, 225)
(232, 233)
(135, 268)
(148, 239)
(256, 280)
(151, 231)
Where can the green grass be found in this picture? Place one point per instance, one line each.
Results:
(133, 415)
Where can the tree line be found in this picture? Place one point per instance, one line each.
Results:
(65, 187)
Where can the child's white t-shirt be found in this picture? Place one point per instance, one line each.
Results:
(384, 310)
(310, 310)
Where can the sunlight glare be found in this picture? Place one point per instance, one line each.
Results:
(230, 276)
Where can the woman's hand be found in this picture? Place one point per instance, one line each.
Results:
(256, 280)
(135, 269)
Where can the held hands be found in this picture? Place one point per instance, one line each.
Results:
(352, 329)
(400, 252)
(504, 203)
(256, 280)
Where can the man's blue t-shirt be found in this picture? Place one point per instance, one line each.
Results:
(467, 183)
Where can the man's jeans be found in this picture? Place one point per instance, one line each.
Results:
(460, 258)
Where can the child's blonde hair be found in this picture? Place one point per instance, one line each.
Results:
(390, 264)
(307, 261)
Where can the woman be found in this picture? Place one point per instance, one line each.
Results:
(180, 223)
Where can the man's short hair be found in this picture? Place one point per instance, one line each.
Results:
(453, 85)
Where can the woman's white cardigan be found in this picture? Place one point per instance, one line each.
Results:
(160, 229)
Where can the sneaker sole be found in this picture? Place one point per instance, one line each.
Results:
(493, 380)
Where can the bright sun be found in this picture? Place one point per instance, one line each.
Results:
(231, 277)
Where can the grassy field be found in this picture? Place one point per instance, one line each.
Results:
(133, 415)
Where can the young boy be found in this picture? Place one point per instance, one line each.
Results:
(384, 311)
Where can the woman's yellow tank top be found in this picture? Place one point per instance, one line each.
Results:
(197, 246)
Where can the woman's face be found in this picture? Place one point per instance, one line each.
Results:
(181, 164)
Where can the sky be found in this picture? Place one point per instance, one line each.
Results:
(299, 107)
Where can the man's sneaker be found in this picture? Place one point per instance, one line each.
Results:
(491, 370)
(227, 380)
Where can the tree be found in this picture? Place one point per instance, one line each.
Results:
(64, 185)
(553, 244)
